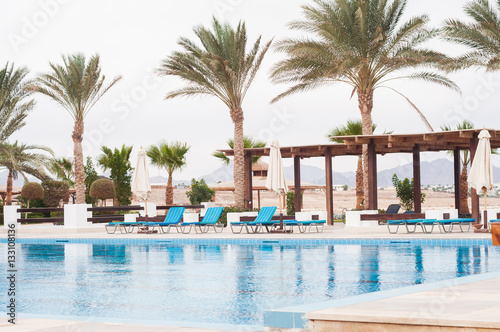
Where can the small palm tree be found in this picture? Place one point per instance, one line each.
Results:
(118, 162)
(14, 100)
(482, 35)
(353, 127)
(171, 157)
(248, 143)
(364, 44)
(222, 68)
(25, 160)
(76, 85)
(62, 168)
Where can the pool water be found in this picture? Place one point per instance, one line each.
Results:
(221, 284)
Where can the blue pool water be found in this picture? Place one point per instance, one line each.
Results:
(221, 283)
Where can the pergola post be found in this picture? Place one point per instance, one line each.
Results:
(329, 187)
(248, 182)
(417, 193)
(473, 193)
(456, 176)
(296, 178)
(372, 176)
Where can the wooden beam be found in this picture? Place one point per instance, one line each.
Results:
(417, 194)
(456, 176)
(372, 177)
(466, 134)
(248, 182)
(296, 179)
(362, 140)
(329, 187)
(473, 193)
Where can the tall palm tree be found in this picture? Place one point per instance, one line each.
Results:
(171, 157)
(248, 143)
(14, 100)
(76, 85)
(222, 68)
(465, 159)
(25, 160)
(62, 168)
(353, 127)
(118, 162)
(482, 35)
(364, 44)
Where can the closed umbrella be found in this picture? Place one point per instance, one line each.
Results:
(141, 185)
(276, 180)
(481, 171)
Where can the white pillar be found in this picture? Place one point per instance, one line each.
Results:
(206, 205)
(10, 216)
(151, 210)
(75, 216)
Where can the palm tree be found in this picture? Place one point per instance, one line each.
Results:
(62, 168)
(465, 159)
(222, 68)
(482, 35)
(76, 85)
(25, 160)
(248, 143)
(118, 162)
(353, 127)
(14, 102)
(364, 44)
(171, 157)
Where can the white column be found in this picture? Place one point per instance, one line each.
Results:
(151, 210)
(75, 216)
(10, 216)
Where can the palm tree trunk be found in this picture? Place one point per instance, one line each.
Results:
(239, 159)
(365, 103)
(464, 191)
(78, 155)
(8, 200)
(169, 192)
(359, 183)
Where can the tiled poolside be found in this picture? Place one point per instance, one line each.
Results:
(470, 310)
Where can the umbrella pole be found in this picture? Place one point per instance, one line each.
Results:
(485, 221)
(146, 210)
(281, 212)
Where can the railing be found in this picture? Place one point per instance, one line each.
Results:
(55, 220)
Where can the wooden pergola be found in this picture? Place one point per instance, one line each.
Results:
(455, 141)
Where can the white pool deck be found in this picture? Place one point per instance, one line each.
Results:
(469, 306)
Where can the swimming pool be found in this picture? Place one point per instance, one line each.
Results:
(217, 283)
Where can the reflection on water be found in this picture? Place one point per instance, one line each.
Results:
(230, 284)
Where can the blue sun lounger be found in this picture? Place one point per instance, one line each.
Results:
(305, 225)
(450, 223)
(262, 220)
(424, 223)
(172, 219)
(210, 219)
(123, 226)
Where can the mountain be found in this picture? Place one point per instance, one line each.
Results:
(163, 180)
(436, 172)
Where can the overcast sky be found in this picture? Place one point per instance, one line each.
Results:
(132, 38)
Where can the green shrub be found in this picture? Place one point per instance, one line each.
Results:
(54, 192)
(290, 202)
(200, 192)
(32, 191)
(404, 191)
(102, 189)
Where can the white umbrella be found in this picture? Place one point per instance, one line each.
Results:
(141, 185)
(481, 172)
(276, 180)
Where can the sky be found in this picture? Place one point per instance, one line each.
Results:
(132, 37)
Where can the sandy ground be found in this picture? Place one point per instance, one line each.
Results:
(315, 200)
